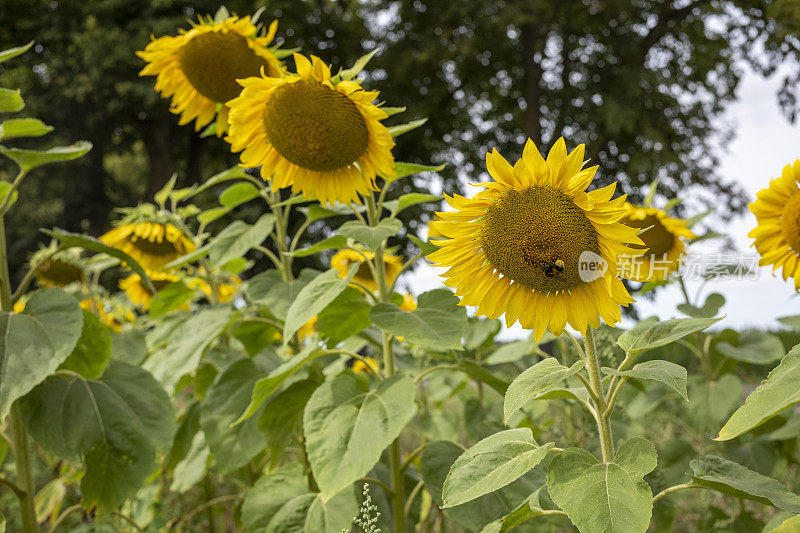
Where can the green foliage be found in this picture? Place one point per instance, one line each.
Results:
(543, 377)
(670, 374)
(125, 418)
(281, 502)
(721, 475)
(348, 425)
(778, 392)
(36, 342)
(653, 333)
(372, 237)
(93, 350)
(604, 496)
(437, 323)
(492, 464)
(313, 298)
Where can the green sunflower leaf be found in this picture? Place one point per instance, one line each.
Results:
(670, 374)
(23, 127)
(754, 347)
(29, 159)
(653, 333)
(313, 298)
(348, 426)
(404, 170)
(280, 502)
(541, 378)
(396, 131)
(10, 53)
(599, 496)
(711, 307)
(718, 474)
(36, 342)
(93, 350)
(491, 464)
(76, 240)
(264, 387)
(372, 236)
(775, 394)
(229, 395)
(331, 243)
(437, 323)
(408, 200)
(125, 419)
(10, 100)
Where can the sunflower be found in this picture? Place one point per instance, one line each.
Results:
(535, 246)
(57, 268)
(662, 241)
(198, 69)
(226, 289)
(320, 136)
(409, 303)
(361, 366)
(138, 292)
(151, 244)
(112, 316)
(342, 260)
(777, 236)
(308, 329)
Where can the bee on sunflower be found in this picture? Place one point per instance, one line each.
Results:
(318, 134)
(663, 249)
(342, 260)
(777, 235)
(519, 247)
(153, 239)
(198, 69)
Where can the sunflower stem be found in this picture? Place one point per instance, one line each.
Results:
(603, 416)
(20, 434)
(395, 461)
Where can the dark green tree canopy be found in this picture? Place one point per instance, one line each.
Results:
(643, 84)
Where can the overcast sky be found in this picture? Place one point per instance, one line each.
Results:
(765, 142)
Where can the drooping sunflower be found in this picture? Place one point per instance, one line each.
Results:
(138, 292)
(57, 268)
(153, 244)
(320, 136)
(536, 246)
(777, 236)
(198, 69)
(663, 248)
(342, 260)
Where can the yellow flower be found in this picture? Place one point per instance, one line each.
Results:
(525, 245)
(152, 244)
(409, 303)
(114, 317)
(308, 329)
(138, 292)
(342, 260)
(662, 242)
(198, 69)
(433, 233)
(777, 236)
(226, 290)
(322, 137)
(19, 306)
(361, 366)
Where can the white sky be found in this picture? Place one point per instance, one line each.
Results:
(764, 143)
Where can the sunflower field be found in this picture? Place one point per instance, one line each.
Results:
(179, 374)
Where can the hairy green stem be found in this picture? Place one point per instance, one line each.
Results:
(673, 489)
(20, 435)
(395, 461)
(603, 417)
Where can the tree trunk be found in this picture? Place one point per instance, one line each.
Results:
(531, 91)
(157, 136)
